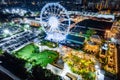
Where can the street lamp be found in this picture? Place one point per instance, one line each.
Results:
(6, 31)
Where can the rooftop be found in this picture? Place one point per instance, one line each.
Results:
(75, 39)
(89, 23)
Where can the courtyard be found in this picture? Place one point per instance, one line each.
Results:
(31, 54)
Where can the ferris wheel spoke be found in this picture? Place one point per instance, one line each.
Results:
(47, 14)
(57, 30)
(45, 19)
(57, 10)
(44, 15)
(51, 10)
(50, 29)
(62, 24)
(54, 10)
(58, 16)
(48, 9)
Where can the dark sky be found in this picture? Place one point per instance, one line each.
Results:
(34, 0)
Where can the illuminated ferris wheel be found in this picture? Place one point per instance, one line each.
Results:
(55, 20)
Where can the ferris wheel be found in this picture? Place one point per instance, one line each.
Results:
(55, 20)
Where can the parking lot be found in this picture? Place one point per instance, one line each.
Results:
(11, 43)
(7, 30)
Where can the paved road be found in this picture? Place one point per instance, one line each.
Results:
(9, 73)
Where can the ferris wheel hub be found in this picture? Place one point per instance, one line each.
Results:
(53, 22)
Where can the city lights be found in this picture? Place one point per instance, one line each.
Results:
(59, 39)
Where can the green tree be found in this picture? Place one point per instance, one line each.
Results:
(44, 74)
(1, 52)
(90, 32)
(36, 49)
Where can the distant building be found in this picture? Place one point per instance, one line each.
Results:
(101, 27)
(32, 22)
